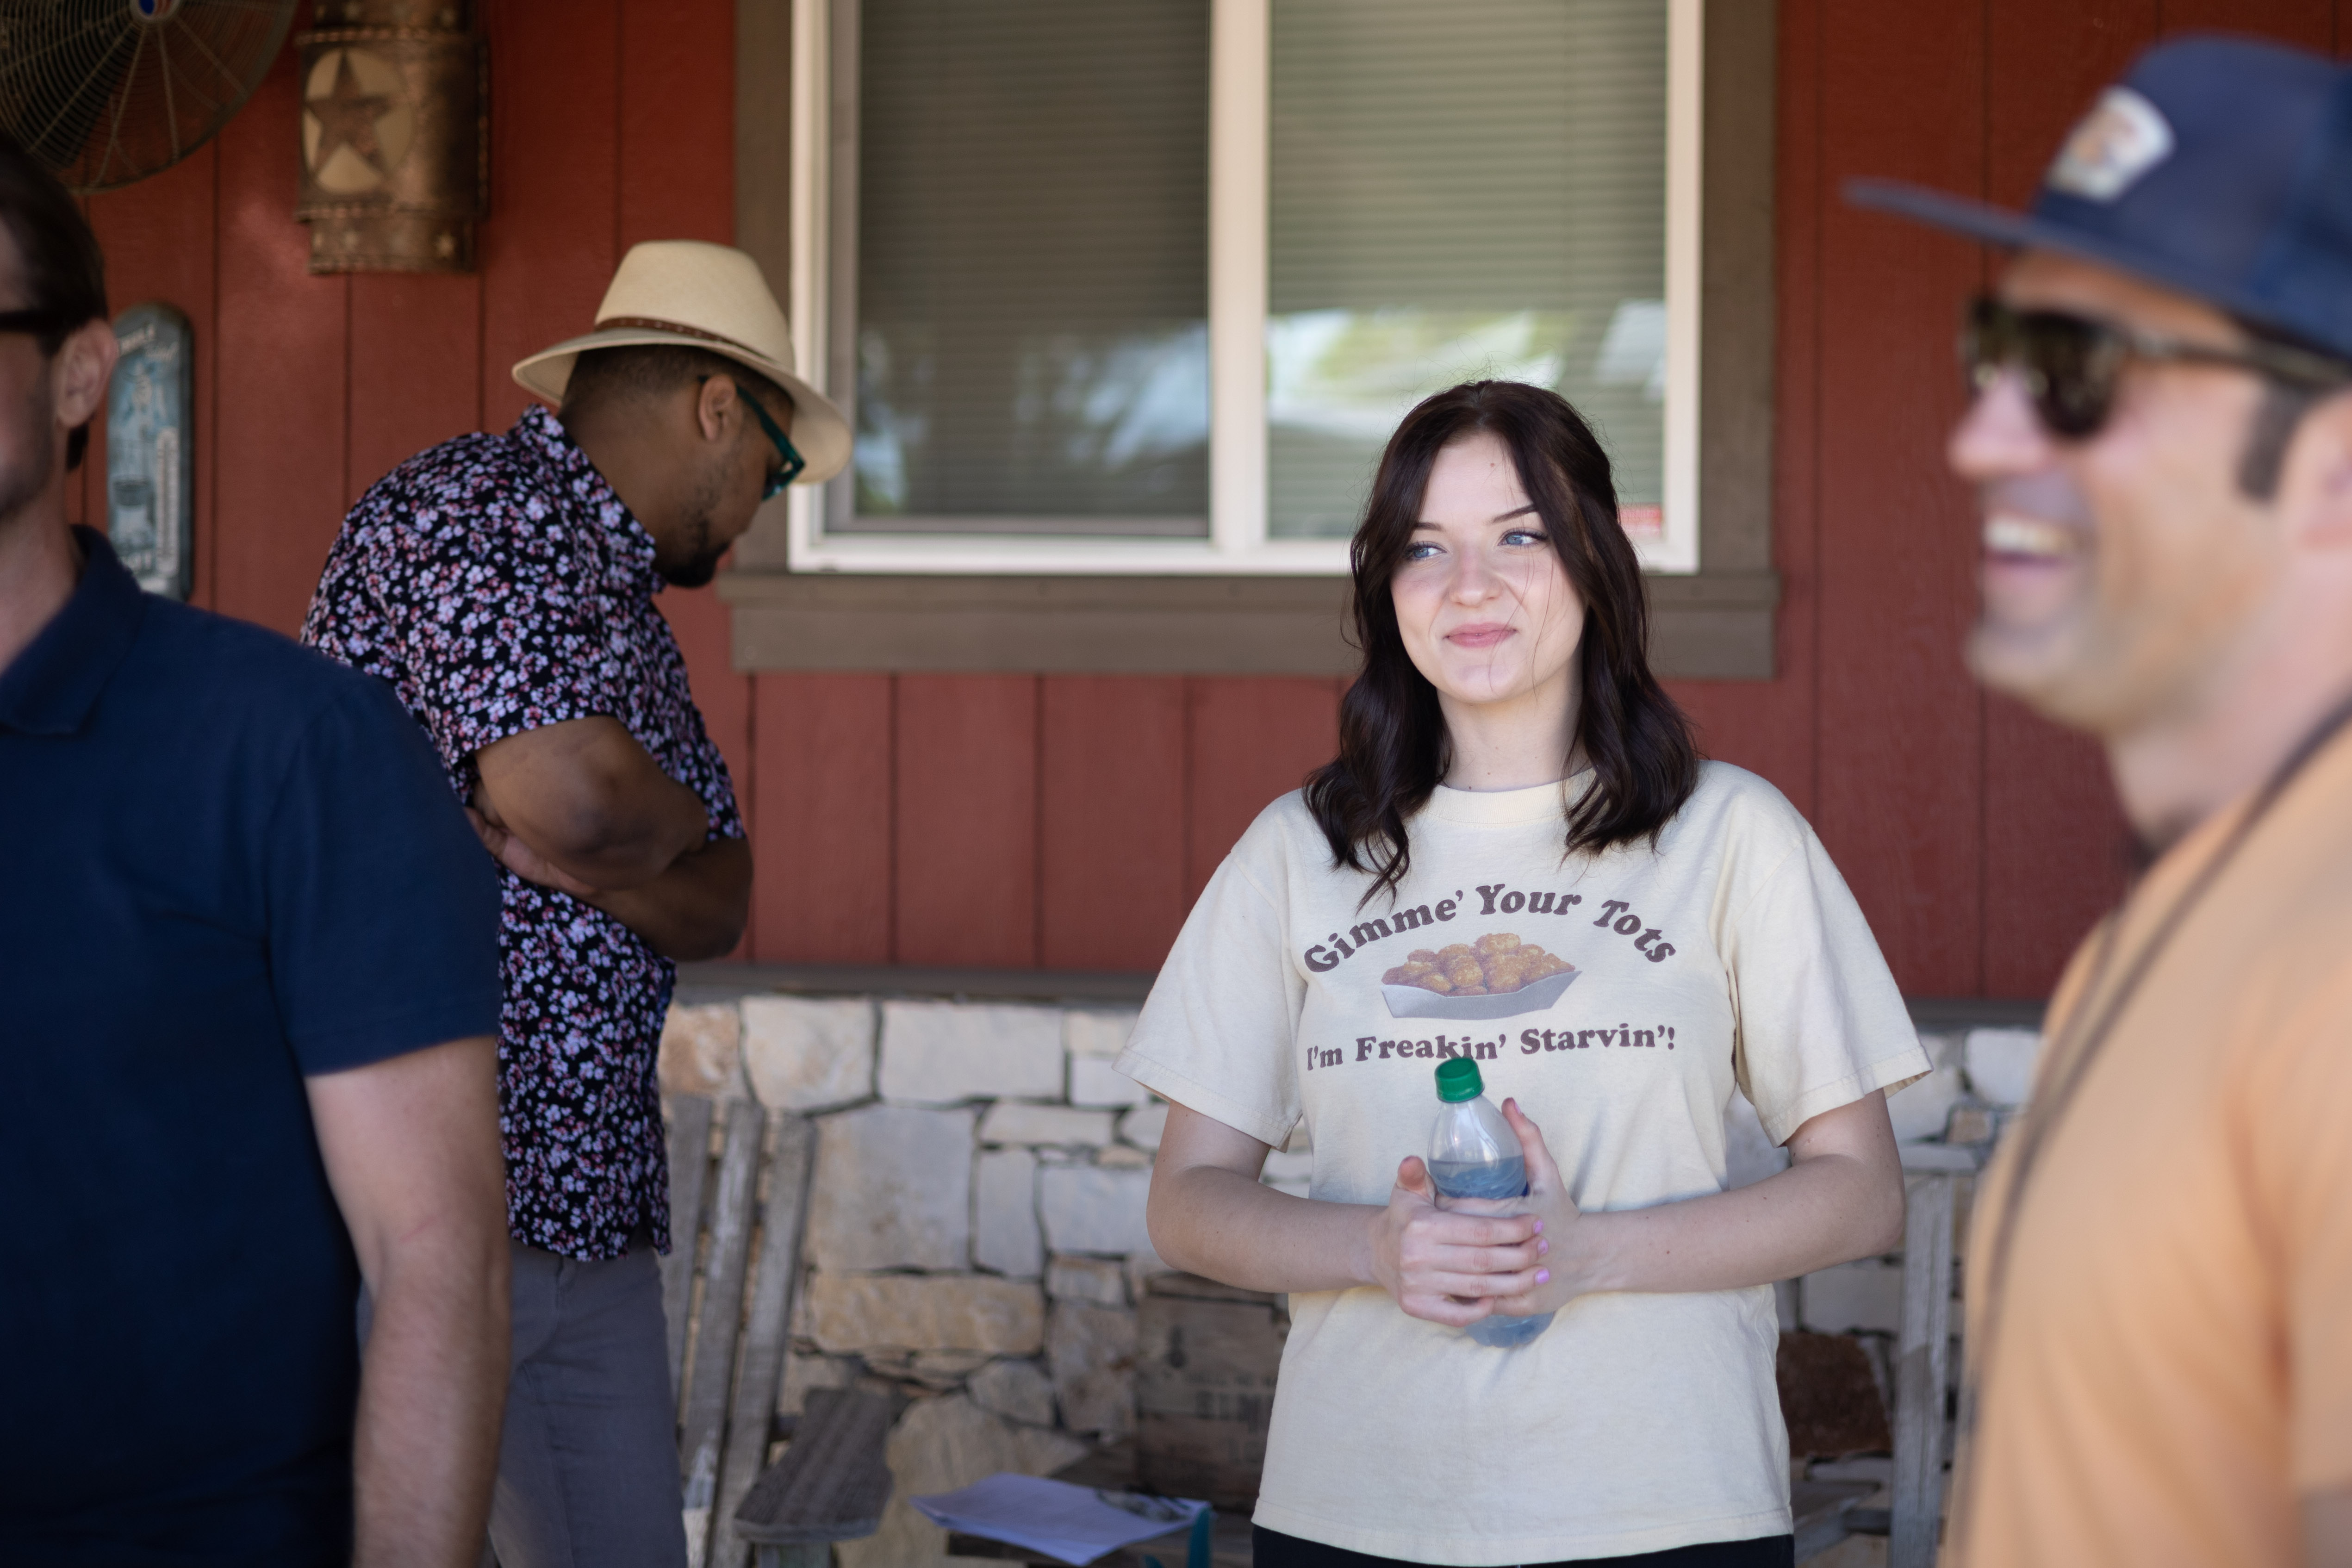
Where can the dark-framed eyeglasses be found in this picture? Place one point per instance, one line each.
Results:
(39, 322)
(793, 462)
(2072, 363)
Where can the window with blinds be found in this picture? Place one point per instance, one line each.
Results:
(1457, 191)
(1030, 299)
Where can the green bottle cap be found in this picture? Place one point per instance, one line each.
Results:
(1458, 1080)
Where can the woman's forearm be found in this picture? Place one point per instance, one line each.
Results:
(1224, 1226)
(1827, 1210)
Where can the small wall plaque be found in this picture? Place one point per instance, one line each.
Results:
(150, 455)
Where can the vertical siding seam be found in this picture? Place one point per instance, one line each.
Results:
(620, 123)
(747, 806)
(891, 811)
(347, 497)
(1038, 821)
(211, 431)
(1187, 700)
(1814, 500)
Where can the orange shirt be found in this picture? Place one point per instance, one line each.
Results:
(2171, 1363)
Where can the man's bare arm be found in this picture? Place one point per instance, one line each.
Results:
(587, 799)
(696, 909)
(410, 1146)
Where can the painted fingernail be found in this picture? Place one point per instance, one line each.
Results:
(1542, 1247)
(1543, 1276)
(1538, 1227)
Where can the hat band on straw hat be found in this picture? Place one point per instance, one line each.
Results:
(655, 324)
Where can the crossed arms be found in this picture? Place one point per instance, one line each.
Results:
(581, 807)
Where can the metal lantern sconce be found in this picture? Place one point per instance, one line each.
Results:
(395, 135)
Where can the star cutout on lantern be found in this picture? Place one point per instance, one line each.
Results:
(348, 117)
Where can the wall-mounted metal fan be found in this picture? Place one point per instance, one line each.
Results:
(108, 91)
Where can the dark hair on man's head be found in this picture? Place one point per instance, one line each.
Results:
(63, 271)
(652, 370)
(1392, 740)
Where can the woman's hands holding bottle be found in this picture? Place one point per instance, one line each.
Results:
(1455, 1264)
(1567, 1273)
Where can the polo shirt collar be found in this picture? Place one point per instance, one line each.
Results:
(540, 430)
(53, 685)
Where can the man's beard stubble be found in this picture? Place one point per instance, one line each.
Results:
(22, 485)
(698, 563)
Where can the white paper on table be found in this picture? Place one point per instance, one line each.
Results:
(1069, 1522)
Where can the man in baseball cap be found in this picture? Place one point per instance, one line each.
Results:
(504, 586)
(2159, 1282)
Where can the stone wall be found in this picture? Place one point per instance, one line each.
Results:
(975, 1237)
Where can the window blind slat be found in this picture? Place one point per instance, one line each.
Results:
(1033, 262)
(1477, 188)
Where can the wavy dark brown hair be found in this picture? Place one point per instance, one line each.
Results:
(1393, 748)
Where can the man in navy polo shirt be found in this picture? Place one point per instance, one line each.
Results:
(248, 986)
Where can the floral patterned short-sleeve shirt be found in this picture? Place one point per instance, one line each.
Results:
(498, 585)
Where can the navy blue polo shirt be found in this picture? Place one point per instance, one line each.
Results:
(227, 864)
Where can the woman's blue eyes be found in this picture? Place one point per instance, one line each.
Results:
(1423, 550)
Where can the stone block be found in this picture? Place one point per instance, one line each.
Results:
(1017, 1121)
(1005, 1237)
(939, 1053)
(805, 1373)
(1100, 1035)
(1143, 1125)
(1122, 1157)
(893, 1190)
(1920, 1108)
(1863, 1295)
(2001, 1064)
(1287, 1173)
(1098, 1281)
(853, 1313)
(941, 1445)
(701, 1051)
(1749, 1153)
(1971, 1124)
(803, 1054)
(935, 1371)
(1087, 1209)
(1017, 1390)
(1090, 1350)
(1141, 1268)
(1094, 1081)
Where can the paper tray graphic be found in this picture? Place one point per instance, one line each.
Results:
(1413, 1002)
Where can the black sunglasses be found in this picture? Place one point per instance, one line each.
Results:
(2072, 363)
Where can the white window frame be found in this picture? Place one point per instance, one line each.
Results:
(1240, 79)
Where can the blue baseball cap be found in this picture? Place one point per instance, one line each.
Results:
(2219, 167)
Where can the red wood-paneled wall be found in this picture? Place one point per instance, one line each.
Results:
(1067, 822)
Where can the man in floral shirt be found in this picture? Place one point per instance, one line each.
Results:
(504, 586)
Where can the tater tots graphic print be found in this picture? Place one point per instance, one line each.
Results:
(498, 585)
(1496, 977)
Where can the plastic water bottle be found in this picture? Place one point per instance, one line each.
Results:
(1474, 1154)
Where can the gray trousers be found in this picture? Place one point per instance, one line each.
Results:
(588, 1461)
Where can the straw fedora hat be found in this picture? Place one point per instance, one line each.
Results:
(701, 296)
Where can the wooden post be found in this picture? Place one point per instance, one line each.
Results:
(689, 1170)
(762, 1367)
(1922, 1353)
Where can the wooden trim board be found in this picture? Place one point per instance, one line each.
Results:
(1714, 626)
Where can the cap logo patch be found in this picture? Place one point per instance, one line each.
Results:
(2121, 139)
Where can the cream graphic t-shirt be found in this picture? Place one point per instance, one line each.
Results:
(1621, 998)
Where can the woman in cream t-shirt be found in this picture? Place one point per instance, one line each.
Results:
(1517, 858)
